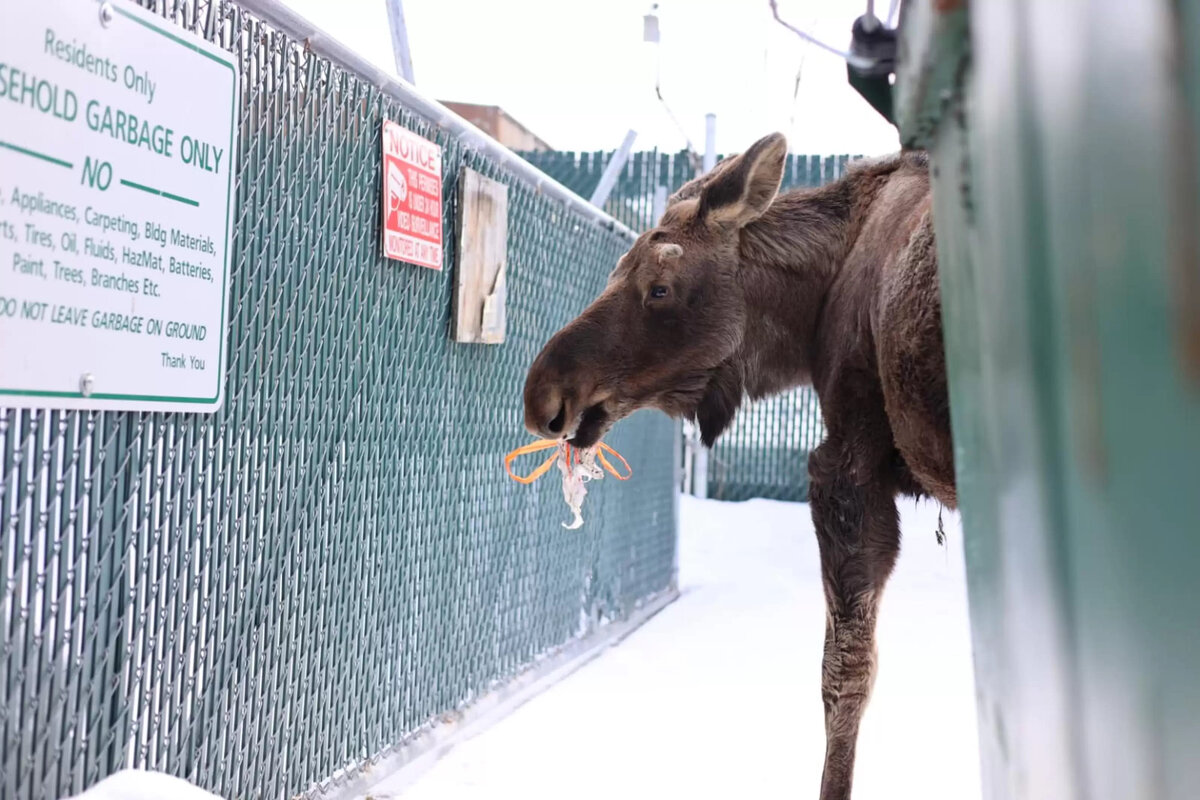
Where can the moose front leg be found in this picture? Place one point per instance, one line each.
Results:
(859, 537)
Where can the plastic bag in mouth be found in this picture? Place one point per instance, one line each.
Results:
(577, 465)
(576, 477)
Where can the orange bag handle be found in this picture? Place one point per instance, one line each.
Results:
(532, 447)
(572, 458)
(611, 469)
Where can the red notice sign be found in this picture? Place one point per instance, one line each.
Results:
(412, 197)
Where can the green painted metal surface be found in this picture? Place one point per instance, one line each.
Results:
(258, 599)
(1065, 157)
(765, 451)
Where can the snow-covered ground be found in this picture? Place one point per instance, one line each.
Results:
(718, 695)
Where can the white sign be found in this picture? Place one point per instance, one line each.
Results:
(117, 146)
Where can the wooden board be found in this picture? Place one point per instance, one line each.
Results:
(480, 260)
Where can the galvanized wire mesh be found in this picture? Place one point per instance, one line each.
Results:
(765, 452)
(257, 599)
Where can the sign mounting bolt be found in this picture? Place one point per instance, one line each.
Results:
(85, 384)
(106, 14)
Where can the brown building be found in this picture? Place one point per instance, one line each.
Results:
(495, 122)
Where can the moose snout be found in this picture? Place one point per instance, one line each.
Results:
(548, 398)
(561, 383)
(546, 412)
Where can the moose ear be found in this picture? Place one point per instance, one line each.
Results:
(693, 187)
(741, 192)
(720, 402)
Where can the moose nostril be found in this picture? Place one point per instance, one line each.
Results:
(556, 425)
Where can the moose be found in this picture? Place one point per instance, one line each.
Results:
(743, 292)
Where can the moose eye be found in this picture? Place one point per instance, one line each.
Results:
(658, 292)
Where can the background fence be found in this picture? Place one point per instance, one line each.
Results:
(765, 452)
(258, 599)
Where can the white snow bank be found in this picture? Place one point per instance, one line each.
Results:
(138, 784)
(718, 696)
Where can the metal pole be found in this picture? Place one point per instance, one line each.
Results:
(870, 22)
(680, 453)
(612, 171)
(697, 470)
(660, 202)
(699, 466)
(700, 471)
(400, 40)
(710, 141)
(687, 432)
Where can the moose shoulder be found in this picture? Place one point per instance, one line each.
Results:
(743, 292)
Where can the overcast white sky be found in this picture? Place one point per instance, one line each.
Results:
(577, 73)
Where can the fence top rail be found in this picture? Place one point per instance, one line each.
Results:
(321, 43)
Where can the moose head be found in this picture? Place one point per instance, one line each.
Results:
(668, 330)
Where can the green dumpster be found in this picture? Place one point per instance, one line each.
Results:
(1064, 141)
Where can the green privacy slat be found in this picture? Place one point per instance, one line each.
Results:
(257, 599)
(765, 452)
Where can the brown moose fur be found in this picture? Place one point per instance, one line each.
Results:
(739, 292)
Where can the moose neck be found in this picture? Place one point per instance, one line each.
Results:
(789, 257)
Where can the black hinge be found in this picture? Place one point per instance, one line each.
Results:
(874, 43)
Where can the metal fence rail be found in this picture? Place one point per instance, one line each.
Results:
(765, 451)
(259, 599)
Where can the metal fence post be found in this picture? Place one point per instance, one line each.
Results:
(400, 40)
(613, 170)
(698, 450)
(660, 202)
(710, 141)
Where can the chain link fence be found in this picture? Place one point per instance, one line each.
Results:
(765, 451)
(278, 593)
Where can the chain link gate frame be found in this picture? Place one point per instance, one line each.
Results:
(263, 598)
